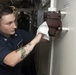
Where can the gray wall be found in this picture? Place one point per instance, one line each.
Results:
(65, 50)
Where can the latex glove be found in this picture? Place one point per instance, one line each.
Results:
(43, 28)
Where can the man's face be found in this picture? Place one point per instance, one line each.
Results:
(8, 25)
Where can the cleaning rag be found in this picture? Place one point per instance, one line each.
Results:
(43, 28)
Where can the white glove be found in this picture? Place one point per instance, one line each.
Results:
(43, 28)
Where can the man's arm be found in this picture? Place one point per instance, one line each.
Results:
(18, 55)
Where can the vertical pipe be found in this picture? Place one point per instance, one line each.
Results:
(52, 52)
(52, 3)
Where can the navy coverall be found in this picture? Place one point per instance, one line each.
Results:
(7, 45)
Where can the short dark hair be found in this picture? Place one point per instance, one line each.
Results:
(5, 10)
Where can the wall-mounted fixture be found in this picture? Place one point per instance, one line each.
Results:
(54, 22)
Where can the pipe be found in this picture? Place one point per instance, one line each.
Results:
(52, 52)
(63, 13)
(65, 29)
(52, 6)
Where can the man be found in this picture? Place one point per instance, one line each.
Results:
(15, 44)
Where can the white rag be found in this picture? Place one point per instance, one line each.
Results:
(43, 28)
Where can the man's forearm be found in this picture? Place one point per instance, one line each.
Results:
(37, 38)
(18, 55)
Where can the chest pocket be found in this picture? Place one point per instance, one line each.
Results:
(20, 43)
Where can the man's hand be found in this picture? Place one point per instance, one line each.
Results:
(43, 29)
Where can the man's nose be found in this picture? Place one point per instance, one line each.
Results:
(14, 25)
